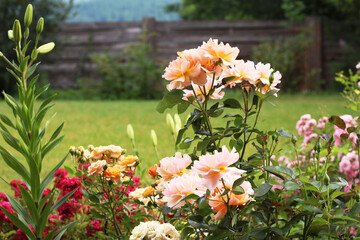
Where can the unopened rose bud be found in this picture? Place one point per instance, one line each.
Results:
(72, 150)
(81, 149)
(130, 132)
(77, 153)
(28, 15)
(11, 35)
(326, 179)
(90, 148)
(153, 137)
(153, 171)
(40, 26)
(46, 48)
(17, 31)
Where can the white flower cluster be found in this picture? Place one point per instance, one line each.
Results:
(155, 231)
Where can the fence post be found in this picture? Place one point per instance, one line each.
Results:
(149, 25)
(313, 65)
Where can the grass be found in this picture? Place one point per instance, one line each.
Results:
(104, 123)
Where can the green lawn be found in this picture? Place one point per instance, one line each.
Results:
(104, 123)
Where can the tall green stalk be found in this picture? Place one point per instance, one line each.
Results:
(27, 121)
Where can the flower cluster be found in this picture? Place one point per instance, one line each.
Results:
(212, 172)
(350, 122)
(154, 230)
(204, 68)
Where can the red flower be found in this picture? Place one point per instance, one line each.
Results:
(93, 227)
(15, 187)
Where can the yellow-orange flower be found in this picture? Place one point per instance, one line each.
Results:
(220, 52)
(129, 161)
(148, 192)
(114, 173)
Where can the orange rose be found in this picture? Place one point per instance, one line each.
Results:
(129, 161)
(153, 171)
(114, 173)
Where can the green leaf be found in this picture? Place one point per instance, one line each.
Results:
(30, 204)
(304, 179)
(14, 164)
(41, 90)
(170, 99)
(232, 103)
(6, 120)
(337, 121)
(24, 227)
(45, 182)
(280, 169)
(186, 231)
(283, 133)
(48, 147)
(56, 132)
(182, 107)
(31, 71)
(20, 210)
(180, 135)
(336, 194)
(263, 189)
(62, 200)
(291, 186)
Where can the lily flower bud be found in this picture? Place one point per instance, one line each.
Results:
(40, 26)
(170, 123)
(130, 131)
(28, 15)
(153, 137)
(17, 31)
(46, 48)
(11, 35)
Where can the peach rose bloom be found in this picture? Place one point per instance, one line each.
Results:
(265, 71)
(214, 167)
(217, 94)
(216, 201)
(219, 51)
(242, 71)
(184, 185)
(114, 173)
(206, 63)
(171, 167)
(106, 152)
(129, 161)
(181, 72)
(96, 168)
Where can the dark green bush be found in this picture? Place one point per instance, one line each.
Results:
(286, 55)
(132, 75)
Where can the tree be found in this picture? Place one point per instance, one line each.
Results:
(53, 11)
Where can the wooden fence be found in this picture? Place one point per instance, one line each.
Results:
(81, 40)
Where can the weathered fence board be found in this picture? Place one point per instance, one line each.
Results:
(82, 40)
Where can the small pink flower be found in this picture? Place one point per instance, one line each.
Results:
(213, 167)
(184, 185)
(171, 167)
(358, 66)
